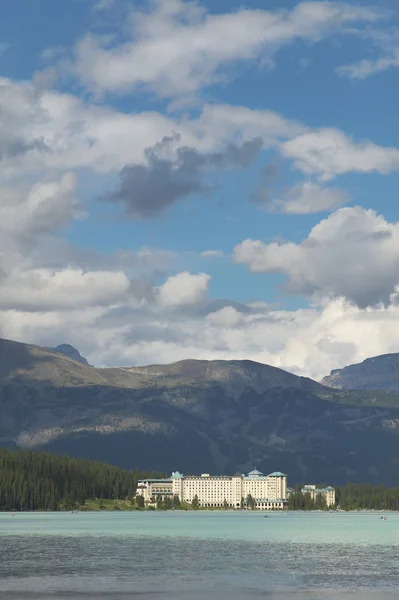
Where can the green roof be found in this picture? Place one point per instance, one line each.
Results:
(277, 474)
(254, 473)
(155, 481)
(176, 475)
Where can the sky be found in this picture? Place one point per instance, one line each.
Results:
(207, 180)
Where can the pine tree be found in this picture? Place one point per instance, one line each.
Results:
(39, 481)
(140, 501)
(176, 502)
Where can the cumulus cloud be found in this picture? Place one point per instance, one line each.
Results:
(147, 190)
(329, 152)
(43, 289)
(20, 111)
(175, 47)
(183, 290)
(307, 197)
(45, 129)
(309, 342)
(353, 253)
(226, 318)
(41, 208)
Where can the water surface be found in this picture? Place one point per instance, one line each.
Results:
(215, 555)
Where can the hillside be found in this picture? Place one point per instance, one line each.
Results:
(376, 373)
(209, 416)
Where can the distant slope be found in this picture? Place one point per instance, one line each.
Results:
(71, 352)
(209, 416)
(377, 373)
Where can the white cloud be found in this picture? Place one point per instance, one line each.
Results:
(183, 289)
(226, 122)
(307, 197)
(226, 318)
(43, 129)
(212, 253)
(386, 42)
(109, 305)
(309, 342)
(365, 68)
(353, 253)
(329, 152)
(175, 48)
(44, 289)
(41, 208)
(52, 53)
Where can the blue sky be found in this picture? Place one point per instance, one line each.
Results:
(264, 228)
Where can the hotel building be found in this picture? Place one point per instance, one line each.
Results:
(328, 493)
(269, 492)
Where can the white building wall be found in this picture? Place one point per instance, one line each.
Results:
(269, 491)
(211, 491)
(328, 493)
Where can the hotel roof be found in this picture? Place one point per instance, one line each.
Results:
(155, 481)
(254, 473)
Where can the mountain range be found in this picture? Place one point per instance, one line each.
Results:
(197, 416)
(376, 373)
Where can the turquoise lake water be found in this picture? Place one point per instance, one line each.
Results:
(187, 555)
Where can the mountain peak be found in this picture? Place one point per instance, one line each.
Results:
(70, 352)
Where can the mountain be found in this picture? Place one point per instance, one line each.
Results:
(71, 352)
(197, 416)
(377, 373)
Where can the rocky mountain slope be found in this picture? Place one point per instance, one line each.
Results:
(377, 373)
(71, 352)
(216, 416)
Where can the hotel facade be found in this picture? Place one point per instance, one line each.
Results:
(328, 493)
(269, 492)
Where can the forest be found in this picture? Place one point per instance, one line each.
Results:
(353, 496)
(358, 496)
(31, 480)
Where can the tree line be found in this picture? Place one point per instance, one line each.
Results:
(353, 496)
(358, 496)
(31, 480)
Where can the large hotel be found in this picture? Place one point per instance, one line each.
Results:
(269, 492)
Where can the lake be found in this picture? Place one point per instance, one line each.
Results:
(198, 555)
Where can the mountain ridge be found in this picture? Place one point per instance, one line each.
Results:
(198, 416)
(374, 373)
